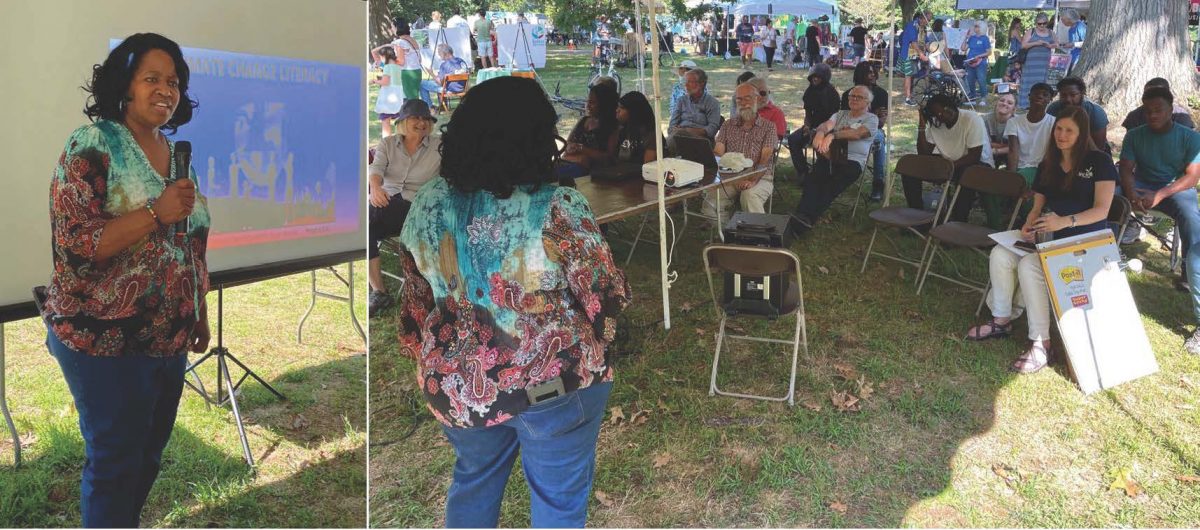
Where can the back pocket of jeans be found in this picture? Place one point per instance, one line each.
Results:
(554, 417)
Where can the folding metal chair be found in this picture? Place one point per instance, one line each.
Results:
(983, 179)
(757, 261)
(1119, 213)
(933, 169)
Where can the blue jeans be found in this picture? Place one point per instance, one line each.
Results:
(1183, 209)
(429, 86)
(126, 410)
(879, 150)
(557, 444)
(977, 75)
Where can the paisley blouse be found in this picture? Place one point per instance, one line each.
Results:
(144, 300)
(504, 294)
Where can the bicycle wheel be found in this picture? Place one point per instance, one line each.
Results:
(666, 59)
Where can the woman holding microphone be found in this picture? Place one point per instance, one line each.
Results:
(126, 300)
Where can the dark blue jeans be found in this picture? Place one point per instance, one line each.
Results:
(126, 410)
(557, 444)
(1183, 209)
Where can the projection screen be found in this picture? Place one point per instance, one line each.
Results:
(278, 138)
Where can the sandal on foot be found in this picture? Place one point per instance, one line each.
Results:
(995, 329)
(1028, 362)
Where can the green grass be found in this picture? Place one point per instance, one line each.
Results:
(921, 451)
(312, 476)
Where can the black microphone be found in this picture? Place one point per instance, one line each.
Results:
(183, 163)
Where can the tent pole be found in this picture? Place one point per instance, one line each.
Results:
(887, 135)
(658, 141)
(641, 57)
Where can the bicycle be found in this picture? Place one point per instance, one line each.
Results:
(933, 82)
(577, 105)
(599, 64)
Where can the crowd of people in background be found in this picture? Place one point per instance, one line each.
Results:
(489, 182)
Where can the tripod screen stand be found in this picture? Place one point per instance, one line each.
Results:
(227, 390)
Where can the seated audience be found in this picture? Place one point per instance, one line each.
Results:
(1072, 91)
(866, 74)
(637, 130)
(450, 65)
(830, 177)
(753, 136)
(767, 108)
(995, 122)
(403, 163)
(1075, 182)
(1179, 113)
(820, 103)
(1029, 134)
(960, 137)
(1160, 166)
(698, 114)
(680, 89)
(593, 141)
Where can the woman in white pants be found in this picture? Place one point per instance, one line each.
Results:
(1074, 186)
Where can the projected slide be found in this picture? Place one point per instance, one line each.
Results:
(264, 147)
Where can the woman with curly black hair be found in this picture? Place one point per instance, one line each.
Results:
(126, 299)
(510, 302)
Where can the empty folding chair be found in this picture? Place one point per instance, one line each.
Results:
(983, 179)
(933, 169)
(778, 264)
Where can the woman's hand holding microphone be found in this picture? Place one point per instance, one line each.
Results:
(176, 202)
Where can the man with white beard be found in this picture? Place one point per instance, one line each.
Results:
(753, 136)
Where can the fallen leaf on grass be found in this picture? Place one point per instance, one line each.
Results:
(615, 415)
(864, 389)
(823, 269)
(299, 422)
(685, 307)
(845, 370)
(1009, 474)
(700, 332)
(901, 274)
(838, 507)
(811, 405)
(640, 417)
(662, 459)
(844, 401)
(27, 440)
(603, 498)
(1190, 479)
(1125, 482)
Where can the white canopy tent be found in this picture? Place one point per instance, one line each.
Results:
(809, 9)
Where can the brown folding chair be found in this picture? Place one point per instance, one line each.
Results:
(983, 179)
(933, 169)
(445, 96)
(527, 74)
(757, 261)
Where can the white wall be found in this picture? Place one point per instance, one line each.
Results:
(49, 47)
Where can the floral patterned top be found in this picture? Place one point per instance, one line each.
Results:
(504, 294)
(142, 301)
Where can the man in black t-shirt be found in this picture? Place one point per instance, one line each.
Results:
(858, 36)
(812, 36)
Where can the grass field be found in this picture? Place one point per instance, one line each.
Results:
(944, 434)
(310, 449)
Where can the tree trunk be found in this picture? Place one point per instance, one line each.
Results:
(381, 23)
(1130, 42)
(908, 8)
